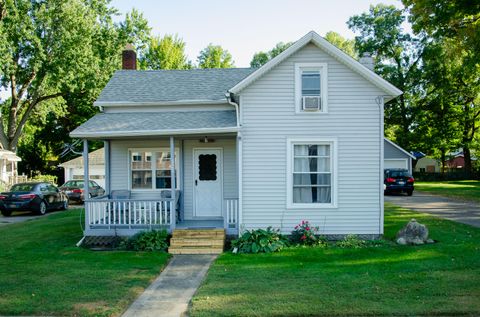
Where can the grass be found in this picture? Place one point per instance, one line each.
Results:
(43, 273)
(387, 280)
(466, 190)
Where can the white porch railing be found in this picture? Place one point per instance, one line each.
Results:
(230, 216)
(128, 213)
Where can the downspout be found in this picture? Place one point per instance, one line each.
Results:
(380, 102)
(231, 101)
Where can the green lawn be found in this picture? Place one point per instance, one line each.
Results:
(43, 273)
(467, 190)
(439, 279)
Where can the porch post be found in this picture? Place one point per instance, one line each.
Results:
(173, 179)
(106, 148)
(86, 179)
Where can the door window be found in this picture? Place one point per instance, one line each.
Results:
(207, 167)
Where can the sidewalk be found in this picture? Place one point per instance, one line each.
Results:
(170, 294)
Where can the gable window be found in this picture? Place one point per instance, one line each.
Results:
(150, 169)
(311, 87)
(311, 173)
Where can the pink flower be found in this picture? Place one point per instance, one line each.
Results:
(296, 227)
(307, 228)
(303, 237)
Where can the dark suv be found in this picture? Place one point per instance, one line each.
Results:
(398, 180)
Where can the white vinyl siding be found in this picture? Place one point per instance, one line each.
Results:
(269, 117)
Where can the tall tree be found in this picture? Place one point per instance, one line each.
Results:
(214, 56)
(397, 56)
(346, 45)
(165, 53)
(54, 50)
(456, 25)
(261, 58)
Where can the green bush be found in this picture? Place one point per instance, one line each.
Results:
(46, 178)
(260, 241)
(155, 240)
(351, 241)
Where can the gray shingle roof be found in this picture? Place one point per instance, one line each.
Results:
(96, 157)
(153, 123)
(171, 85)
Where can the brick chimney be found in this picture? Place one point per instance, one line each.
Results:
(367, 60)
(129, 57)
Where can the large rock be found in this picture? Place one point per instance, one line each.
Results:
(413, 233)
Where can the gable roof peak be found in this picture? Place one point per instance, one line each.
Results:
(313, 37)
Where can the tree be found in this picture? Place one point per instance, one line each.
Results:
(261, 58)
(214, 56)
(54, 50)
(346, 45)
(455, 25)
(397, 56)
(165, 53)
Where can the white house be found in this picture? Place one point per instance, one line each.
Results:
(74, 168)
(299, 138)
(8, 167)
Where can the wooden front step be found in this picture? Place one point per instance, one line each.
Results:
(197, 241)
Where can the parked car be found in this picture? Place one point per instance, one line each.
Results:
(398, 180)
(38, 197)
(75, 189)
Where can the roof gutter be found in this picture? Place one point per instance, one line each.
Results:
(231, 100)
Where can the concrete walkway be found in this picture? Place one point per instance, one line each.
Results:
(170, 294)
(449, 208)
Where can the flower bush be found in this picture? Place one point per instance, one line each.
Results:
(305, 234)
(260, 241)
(351, 241)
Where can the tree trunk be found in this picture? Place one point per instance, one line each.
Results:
(468, 161)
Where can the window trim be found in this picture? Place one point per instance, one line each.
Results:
(323, 68)
(153, 150)
(333, 142)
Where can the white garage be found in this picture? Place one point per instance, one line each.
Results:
(74, 168)
(396, 157)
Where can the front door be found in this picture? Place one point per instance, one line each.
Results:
(207, 182)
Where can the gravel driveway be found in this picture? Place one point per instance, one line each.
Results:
(449, 208)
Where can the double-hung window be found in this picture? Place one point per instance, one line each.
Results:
(310, 87)
(151, 169)
(311, 173)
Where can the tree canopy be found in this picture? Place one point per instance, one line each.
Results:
(261, 58)
(164, 53)
(214, 56)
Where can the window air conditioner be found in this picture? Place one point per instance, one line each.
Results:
(311, 103)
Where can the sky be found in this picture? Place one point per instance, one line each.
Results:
(244, 27)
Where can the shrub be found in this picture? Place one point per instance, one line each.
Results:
(155, 240)
(351, 241)
(260, 241)
(46, 178)
(304, 234)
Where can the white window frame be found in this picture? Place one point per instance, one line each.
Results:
(153, 169)
(323, 69)
(333, 161)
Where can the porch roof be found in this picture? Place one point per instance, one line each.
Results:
(107, 125)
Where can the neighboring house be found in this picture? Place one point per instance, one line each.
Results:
(428, 165)
(8, 167)
(396, 157)
(299, 138)
(74, 168)
(456, 161)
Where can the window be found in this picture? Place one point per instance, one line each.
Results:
(311, 87)
(311, 173)
(150, 169)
